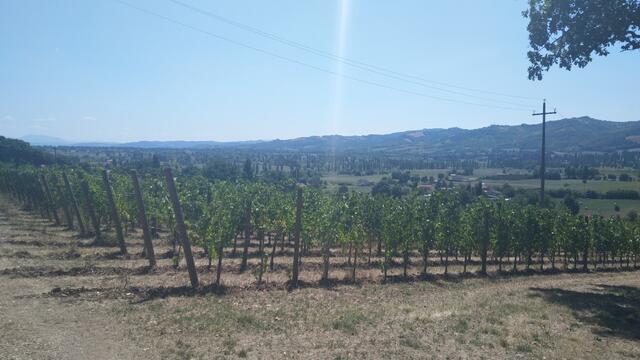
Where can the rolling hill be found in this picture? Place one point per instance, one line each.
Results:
(582, 134)
(567, 135)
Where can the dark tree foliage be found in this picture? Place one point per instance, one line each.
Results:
(625, 177)
(571, 204)
(247, 170)
(569, 32)
(20, 152)
(219, 169)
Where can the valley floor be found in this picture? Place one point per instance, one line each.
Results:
(62, 299)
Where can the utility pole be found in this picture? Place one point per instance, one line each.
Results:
(544, 114)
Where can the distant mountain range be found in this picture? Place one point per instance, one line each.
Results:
(43, 140)
(566, 135)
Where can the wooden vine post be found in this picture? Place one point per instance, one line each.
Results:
(65, 204)
(92, 212)
(247, 235)
(114, 211)
(52, 205)
(296, 239)
(182, 229)
(142, 218)
(45, 209)
(74, 204)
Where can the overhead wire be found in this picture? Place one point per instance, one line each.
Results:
(310, 66)
(413, 79)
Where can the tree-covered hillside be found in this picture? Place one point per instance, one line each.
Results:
(20, 152)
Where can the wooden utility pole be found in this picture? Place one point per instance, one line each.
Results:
(296, 239)
(142, 217)
(92, 212)
(114, 211)
(544, 114)
(182, 229)
(74, 204)
(52, 205)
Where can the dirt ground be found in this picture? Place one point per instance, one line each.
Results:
(63, 299)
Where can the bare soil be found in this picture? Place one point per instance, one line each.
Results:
(62, 298)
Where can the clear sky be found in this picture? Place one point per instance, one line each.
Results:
(103, 71)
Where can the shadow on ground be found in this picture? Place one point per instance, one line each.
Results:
(614, 310)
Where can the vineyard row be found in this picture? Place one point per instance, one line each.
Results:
(212, 214)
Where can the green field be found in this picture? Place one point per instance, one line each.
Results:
(605, 207)
(576, 185)
(602, 186)
(335, 180)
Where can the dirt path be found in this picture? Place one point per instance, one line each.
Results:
(63, 300)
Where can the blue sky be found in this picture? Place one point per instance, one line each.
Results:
(103, 71)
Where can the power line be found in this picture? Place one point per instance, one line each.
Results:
(310, 66)
(416, 80)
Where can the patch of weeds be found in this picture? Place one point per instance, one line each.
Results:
(408, 326)
(229, 345)
(180, 310)
(242, 353)
(493, 318)
(543, 337)
(504, 343)
(490, 330)
(460, 340)
(122, 309)
(574, 326)
(248, 321)
(461, 326)
(511, 308)
(411, 342)
(300, 311)
(629, 353)
(217, 317)
(336, 344)
(476, 341)
(349, 321)
(181, 351)
(536, 337)
(574, 339)
(278, 313)
(524, 348)
(156, 307)
(439, 338)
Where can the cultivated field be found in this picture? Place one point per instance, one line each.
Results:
(63, 299)
(606, 207)
(570, 184)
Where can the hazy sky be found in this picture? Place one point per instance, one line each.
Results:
(103, 71)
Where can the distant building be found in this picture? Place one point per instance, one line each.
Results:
(493, 194)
